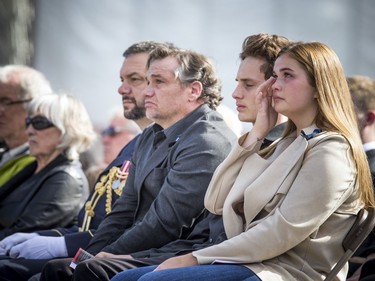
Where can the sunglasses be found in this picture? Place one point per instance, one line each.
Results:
(39, 122)
(111, 131)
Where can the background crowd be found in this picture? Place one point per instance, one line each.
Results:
(176, 183)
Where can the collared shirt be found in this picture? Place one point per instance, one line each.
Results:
(274, 134)
(11, 153)
(3, 149)
(161, 134)
(369, 146)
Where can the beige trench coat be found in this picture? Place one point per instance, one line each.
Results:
(297, 207)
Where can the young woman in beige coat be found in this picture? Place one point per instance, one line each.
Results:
(286, 209)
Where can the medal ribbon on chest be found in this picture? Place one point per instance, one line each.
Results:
(113, 181)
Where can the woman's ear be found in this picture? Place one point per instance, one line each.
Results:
(196, 90)
(315, 94)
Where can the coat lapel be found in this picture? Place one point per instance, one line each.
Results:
(268, 180)
(160, 154)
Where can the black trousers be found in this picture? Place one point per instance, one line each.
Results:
(92, 269)
(368, 271)
(19, 269)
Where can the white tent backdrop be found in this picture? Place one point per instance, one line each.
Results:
(79, 43)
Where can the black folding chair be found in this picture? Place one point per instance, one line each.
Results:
(361, 228)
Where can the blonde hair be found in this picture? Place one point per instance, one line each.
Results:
(335, 107)
(68, 115)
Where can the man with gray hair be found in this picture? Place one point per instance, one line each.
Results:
(172, 165)
(19, 84)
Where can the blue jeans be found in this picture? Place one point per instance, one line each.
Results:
(216, 272)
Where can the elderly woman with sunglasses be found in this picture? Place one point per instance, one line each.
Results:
(49, 192)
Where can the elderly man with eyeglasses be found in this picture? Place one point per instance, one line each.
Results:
(18, 86)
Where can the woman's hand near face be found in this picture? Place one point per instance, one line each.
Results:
(266, 116)
(180, 261)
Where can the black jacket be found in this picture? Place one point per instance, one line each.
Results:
(164, 192)
(50, 198)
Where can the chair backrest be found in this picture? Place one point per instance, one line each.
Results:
(361, 228)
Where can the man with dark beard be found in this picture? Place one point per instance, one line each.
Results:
(24, 254)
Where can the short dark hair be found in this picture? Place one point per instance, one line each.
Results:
(143, 47)
(265, 47)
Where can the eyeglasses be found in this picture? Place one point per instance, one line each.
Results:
(111, 131)
(6, 103)
(39, 122)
